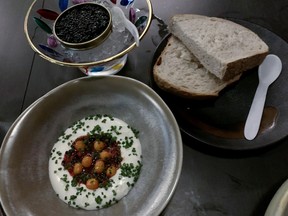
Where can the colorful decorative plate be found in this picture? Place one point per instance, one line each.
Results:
(109, 57)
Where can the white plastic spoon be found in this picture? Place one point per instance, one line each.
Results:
(268, 72)
(128, 24)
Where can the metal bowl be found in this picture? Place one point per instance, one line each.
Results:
(122, 97)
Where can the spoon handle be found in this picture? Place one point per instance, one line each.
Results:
(255, 114)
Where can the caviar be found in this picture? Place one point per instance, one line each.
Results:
(82, 23)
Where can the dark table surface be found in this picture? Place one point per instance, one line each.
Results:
(212, 182)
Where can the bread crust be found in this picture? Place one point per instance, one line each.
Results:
(241, 65)
(170, 88)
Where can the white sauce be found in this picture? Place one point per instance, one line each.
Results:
(80, 196)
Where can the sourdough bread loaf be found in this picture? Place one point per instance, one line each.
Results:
(178, 71)
(225, 48)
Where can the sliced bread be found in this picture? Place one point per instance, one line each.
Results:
(225, 48)
(177, 71)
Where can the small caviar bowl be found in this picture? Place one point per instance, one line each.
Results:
(83, 26)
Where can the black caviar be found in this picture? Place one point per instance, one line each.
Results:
(82, 23)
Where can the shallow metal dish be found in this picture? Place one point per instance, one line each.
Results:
(25, 188)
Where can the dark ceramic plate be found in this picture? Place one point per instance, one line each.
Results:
(220, 122)
(25, 188)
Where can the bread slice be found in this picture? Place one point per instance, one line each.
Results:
(225, 48)
(177, 71)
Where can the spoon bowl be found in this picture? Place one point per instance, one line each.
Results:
(270, 69)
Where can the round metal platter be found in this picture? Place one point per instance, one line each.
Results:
(25, 188)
